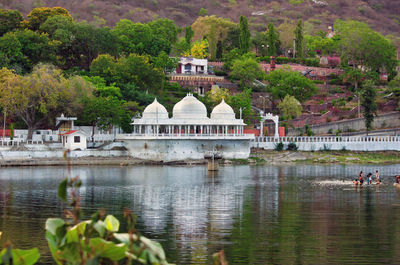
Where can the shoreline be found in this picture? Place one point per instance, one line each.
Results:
(257, 157)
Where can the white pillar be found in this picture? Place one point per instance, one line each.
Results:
(276, 120)
(262, 126)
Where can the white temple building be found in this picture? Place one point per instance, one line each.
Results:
(189, 134)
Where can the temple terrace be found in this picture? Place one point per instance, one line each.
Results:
(189, 135)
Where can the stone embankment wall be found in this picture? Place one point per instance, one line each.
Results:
(316, 143)
(38, 154)
(382, 121)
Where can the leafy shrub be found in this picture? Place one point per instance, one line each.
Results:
(309, 132)
(282, 60)
(296, 2)
(220, 73)
(279, 146)
(330, 131)
(314, 62)
(349, 98)
(292, 147)
(203, 12)
(318, 82)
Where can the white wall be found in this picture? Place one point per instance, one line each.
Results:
(21, 155)
(168, 150)
(315, 143)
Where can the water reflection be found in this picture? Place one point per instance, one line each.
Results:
(258, 215)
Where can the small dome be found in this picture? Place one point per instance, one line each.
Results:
(189, 108)
(223, 111)
(155, 111)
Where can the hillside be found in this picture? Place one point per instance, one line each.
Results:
(382, 15)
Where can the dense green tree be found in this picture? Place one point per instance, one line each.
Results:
(368, 102)
(244, 37)
(220, 50)
(189, 33)
(361, 46)
(133, 69)
(286, 36)
(299, 39)
(181, 47)
(101, 89)
(230, 57)
(232, 40)
(36, 47)
(323, 44)
(354, 76)
(219, 27)
(10, 20)
(102, 112)
(242, 102)
(272, 40)
(260, 43)
(166, 63)
(283, 82)
(165, 28)
(39, 15)
(11, 55)
(78, 42)
(394, 88)
(247, 70)
(290, 107)
(139, 38)
(38, 97)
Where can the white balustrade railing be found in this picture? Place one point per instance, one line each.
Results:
(310, 143)
(177, 135)
(326, 139)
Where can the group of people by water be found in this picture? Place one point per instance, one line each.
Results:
(368, 179)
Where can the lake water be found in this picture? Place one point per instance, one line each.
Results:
(257, 214)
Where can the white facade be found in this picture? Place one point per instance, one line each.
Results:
(189, 134)
(74, 140)
(193, 66)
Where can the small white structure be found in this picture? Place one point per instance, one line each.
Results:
(269, 116)
(74, 140)
(65, 124)
(189, 65)
(189, 134)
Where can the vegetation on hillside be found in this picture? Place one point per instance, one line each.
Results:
(122, 68)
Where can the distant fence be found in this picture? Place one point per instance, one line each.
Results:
(316, 143)
(391, 119)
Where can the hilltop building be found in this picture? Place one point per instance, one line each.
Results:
(189, 134)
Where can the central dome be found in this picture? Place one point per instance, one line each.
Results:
(155, 111)
(223, 112)
(189, 108)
